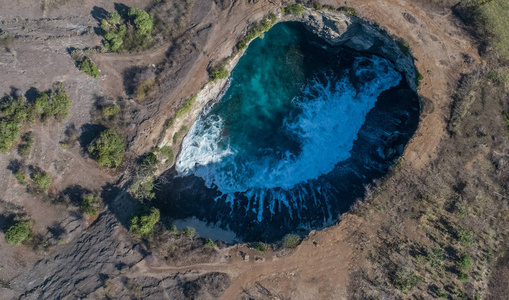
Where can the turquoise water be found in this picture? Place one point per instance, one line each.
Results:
(292, 138)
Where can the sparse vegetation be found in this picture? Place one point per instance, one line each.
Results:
(257, 29)
(131, 34)
(9, 131)
(20, 176)
(142, 188)
(90, 205)
(219, 72)
(189, 232)
(167, 152)
(27, 142)
(143, 89)
(348, 10)
(260, 247)
(111, 110)
(18, 233)
(294, 9)
(88, 66)
(107, 149)
(186, 107)
(42, 179)
(143, 222)
(465, 262)
(209, 243)
(291, 241)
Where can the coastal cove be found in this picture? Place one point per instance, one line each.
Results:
(301, 128)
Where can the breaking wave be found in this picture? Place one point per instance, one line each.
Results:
(325, 120)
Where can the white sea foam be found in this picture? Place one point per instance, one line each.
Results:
(331, 113)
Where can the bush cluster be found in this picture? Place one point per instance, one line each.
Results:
(143, 89)
(294, 9)
(107, 149)
(111, 110)
(186, 107)
(143, 222)
(219, 72)
(256, 30)
(131, 34)
(90, 205)
(88, 66)
(18, 233)
(42, 179)
(27, 142)
(53, 104)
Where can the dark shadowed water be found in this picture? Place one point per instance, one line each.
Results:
(301, 128)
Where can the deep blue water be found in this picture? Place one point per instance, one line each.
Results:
(299, 131)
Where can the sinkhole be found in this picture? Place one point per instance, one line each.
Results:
(301, 128)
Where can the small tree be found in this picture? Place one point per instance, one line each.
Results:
(9, 131)
(219, 73)
(111, 110)
(107, 149)
(42, 179)
(90, 205)
(89, 67)
(465, 262)
(143, 222)
(18, 233)
(294, 9)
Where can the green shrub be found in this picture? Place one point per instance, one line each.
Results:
(190, 232)
(436, 257)
(18, 233)
(143, 222)
(42, 179)
(90, 205)
(149, 161)
(118, 37)
(186, 106)
(41, 103)
(209, 243)
(9, 131)
(111, 110)
(463, 276)
(56, 104)
(141, 20)
(260, 247)
(107, 149)
(142, 188)
(465, 262)
(256, 30)
(294, 9)
(291, 241)
(143, 89)
(27, 142)
(466, 237)
(348, 10)
(405, 279)
(166, 151)
(17, 109)
(20, 176)
(89, 67)
(219, 72)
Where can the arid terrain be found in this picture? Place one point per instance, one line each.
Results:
(446, 198)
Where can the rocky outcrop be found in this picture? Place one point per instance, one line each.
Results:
(355, 33)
